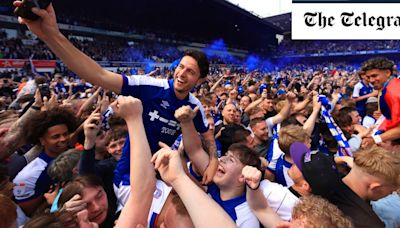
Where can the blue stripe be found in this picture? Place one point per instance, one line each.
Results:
(153, 220)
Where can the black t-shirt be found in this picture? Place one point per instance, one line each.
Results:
(262, 149)
(359, 210)
(270, 114)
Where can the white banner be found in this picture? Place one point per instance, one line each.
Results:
(346, 21)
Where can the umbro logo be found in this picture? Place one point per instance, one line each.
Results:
(164, 104)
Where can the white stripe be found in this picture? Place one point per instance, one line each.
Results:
(145, 80)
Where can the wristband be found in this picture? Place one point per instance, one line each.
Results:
(35, 108)
(377, 139)
(258, 186)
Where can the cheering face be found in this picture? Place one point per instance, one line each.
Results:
(260, 131)
(97, 204)
(268, 105)
(55, 141)
(186, 75)
(115, 148)
(229, 113)
(229, 170)
(377, 77)
(244, 102)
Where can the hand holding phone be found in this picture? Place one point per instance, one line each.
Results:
(25, 9)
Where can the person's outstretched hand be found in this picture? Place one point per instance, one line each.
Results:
(128, 108)
(168, 163)
(46, 26)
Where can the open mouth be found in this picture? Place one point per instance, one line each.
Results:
(220, 170)
(180, 81)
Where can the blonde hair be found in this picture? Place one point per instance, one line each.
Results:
(279, 105)
(290, 134)
(379, 162)
(318, 212)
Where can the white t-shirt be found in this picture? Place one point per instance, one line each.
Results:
(279, 198)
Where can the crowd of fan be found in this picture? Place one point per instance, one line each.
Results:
(295, 47)
(195, 147)
(59, 155)
(101, 49)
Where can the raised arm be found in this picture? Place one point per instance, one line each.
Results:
(142, 174)
(47, 30)
(360, 98)
(91, 128)
(216, 84)
(302, 105)
(197, 202)
(310, 122)
(191, 139)
(256, 102)
(14, 139)
(285, 112)
(256, 199)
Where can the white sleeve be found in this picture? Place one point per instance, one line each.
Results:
(355, 143)
(245, 217)
(356, 90)
(276, 153)
(270, 126)
(24, 186)
(279, 198)
(368, 122)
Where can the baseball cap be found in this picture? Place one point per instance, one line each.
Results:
(280, 92)
(372, 100)
(318, 169)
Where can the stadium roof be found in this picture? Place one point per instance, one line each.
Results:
(201, 20)
(283, 21)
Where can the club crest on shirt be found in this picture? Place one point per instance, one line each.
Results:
(164, 104)
(157, 193)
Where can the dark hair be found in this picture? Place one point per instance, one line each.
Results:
(201, 59)
(232, 133)
(370, 108)
(116, 121)
(54, 220)
(223, 94)
(346, 110)
(61, 168)
(77, 186)
(292, 120)
(255, 121)
(246, 155)
(379, 63)
(329, 140)
(47, 119)
(40, 80)
(360, 72)
(115, 135)
(343, 120)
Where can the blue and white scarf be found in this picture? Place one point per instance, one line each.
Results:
(326, 108)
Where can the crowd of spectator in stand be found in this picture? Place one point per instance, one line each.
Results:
(295, 47)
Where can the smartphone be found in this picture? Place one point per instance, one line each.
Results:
(44, 90)
(25, 10)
